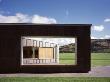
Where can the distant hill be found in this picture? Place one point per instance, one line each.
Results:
(97, 45)
(68, 48)
(100, 45)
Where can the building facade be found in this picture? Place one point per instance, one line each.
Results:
(12, 52)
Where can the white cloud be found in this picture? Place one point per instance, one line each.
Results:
(8, 19)
(40, 19)
(18, 18)
(98, 28)
(107, 20)
(97, 37)
(103, 37)
(107, 36)
(24, 18)
(92, 37)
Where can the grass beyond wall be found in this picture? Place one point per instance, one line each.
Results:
(67, 58)
(97, 59)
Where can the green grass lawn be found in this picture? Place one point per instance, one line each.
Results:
(54, 79)
(100, 59)
(67, 58)
(97, 59)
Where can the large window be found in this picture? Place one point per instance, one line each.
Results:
(48, 50)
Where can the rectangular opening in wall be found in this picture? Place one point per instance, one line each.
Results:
(48, 50)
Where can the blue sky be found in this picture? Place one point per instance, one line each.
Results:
(95, 12)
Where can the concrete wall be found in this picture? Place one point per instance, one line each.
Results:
(10, 46)
(29, 41)
(46, 51)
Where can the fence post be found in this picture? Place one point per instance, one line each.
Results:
(22, 50)
(57, 54)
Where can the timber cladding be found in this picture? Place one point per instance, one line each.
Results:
(43, 51)
(10, 47)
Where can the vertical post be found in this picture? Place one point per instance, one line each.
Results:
(47, 44)
(54, 52)
(46, 51)
(23, 41)
(57, 53)
(40, 43)
(22, 50)
(26, 41)
(75, 51)
(33, 42)
(51, 44)
(36, 43)
(33, 50)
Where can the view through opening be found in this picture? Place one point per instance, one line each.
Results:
(48, 50)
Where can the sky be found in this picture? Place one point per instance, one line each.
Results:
(95, 12)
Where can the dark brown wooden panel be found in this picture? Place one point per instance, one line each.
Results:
(10, 46)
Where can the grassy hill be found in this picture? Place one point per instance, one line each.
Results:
(100, 45)
(97, 45)
(67, 48)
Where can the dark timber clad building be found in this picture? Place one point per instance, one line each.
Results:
(10, 46)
